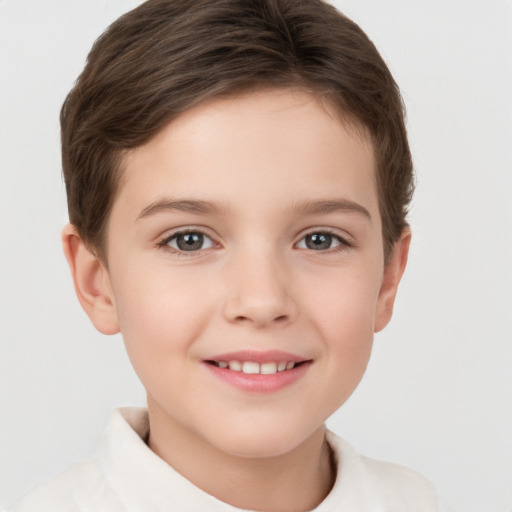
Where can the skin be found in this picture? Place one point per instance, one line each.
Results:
(255, 285)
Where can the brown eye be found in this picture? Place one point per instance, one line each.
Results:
(191, 241)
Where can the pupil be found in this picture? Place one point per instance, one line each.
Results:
(318, 241)
(190, 241)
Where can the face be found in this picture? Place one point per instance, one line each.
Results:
(245, 267)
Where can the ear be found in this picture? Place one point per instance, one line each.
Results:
(92, 282)
(393, 272)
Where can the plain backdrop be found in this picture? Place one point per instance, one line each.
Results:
(437, 395)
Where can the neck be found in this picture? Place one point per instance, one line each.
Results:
(297, 480)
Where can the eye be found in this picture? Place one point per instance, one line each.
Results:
(321, 241)
(189, 241)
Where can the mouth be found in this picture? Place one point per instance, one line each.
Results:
(254, 367)
(258, 372)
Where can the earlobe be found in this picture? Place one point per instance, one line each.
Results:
(393, 272)
(92, 282)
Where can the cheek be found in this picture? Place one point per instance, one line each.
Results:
(160, 317)
(348, 337)
(343, 315)
(343, 301)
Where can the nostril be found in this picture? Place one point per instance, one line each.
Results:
(278, 319)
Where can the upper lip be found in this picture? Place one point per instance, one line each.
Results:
(256, 356)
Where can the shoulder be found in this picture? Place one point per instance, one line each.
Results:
(382, 484)
(81, 488)
(400, 484)
(90, 485)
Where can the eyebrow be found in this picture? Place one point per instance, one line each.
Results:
(202, 207)
(184, 205)
(327, 206)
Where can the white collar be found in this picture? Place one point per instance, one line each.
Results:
(144, 481)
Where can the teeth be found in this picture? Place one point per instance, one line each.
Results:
(268, 368)
(235, 366)
(252, 367)
(249, 367)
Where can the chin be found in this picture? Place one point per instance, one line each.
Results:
(259, 441)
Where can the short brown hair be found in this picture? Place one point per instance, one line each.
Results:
(166, 56)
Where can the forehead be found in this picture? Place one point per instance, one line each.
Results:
(276, 144)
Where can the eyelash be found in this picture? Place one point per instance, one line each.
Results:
(164, 243)
(344, 244)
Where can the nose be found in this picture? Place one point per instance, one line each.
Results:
(259, 292)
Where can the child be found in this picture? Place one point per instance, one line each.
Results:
(238, 176)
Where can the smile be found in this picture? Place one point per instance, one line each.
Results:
(252, 367)
(258, 372)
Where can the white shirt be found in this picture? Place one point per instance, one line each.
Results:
(126, 476)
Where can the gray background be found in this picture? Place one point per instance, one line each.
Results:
(437, 395)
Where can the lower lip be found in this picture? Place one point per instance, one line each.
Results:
(257, 382)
